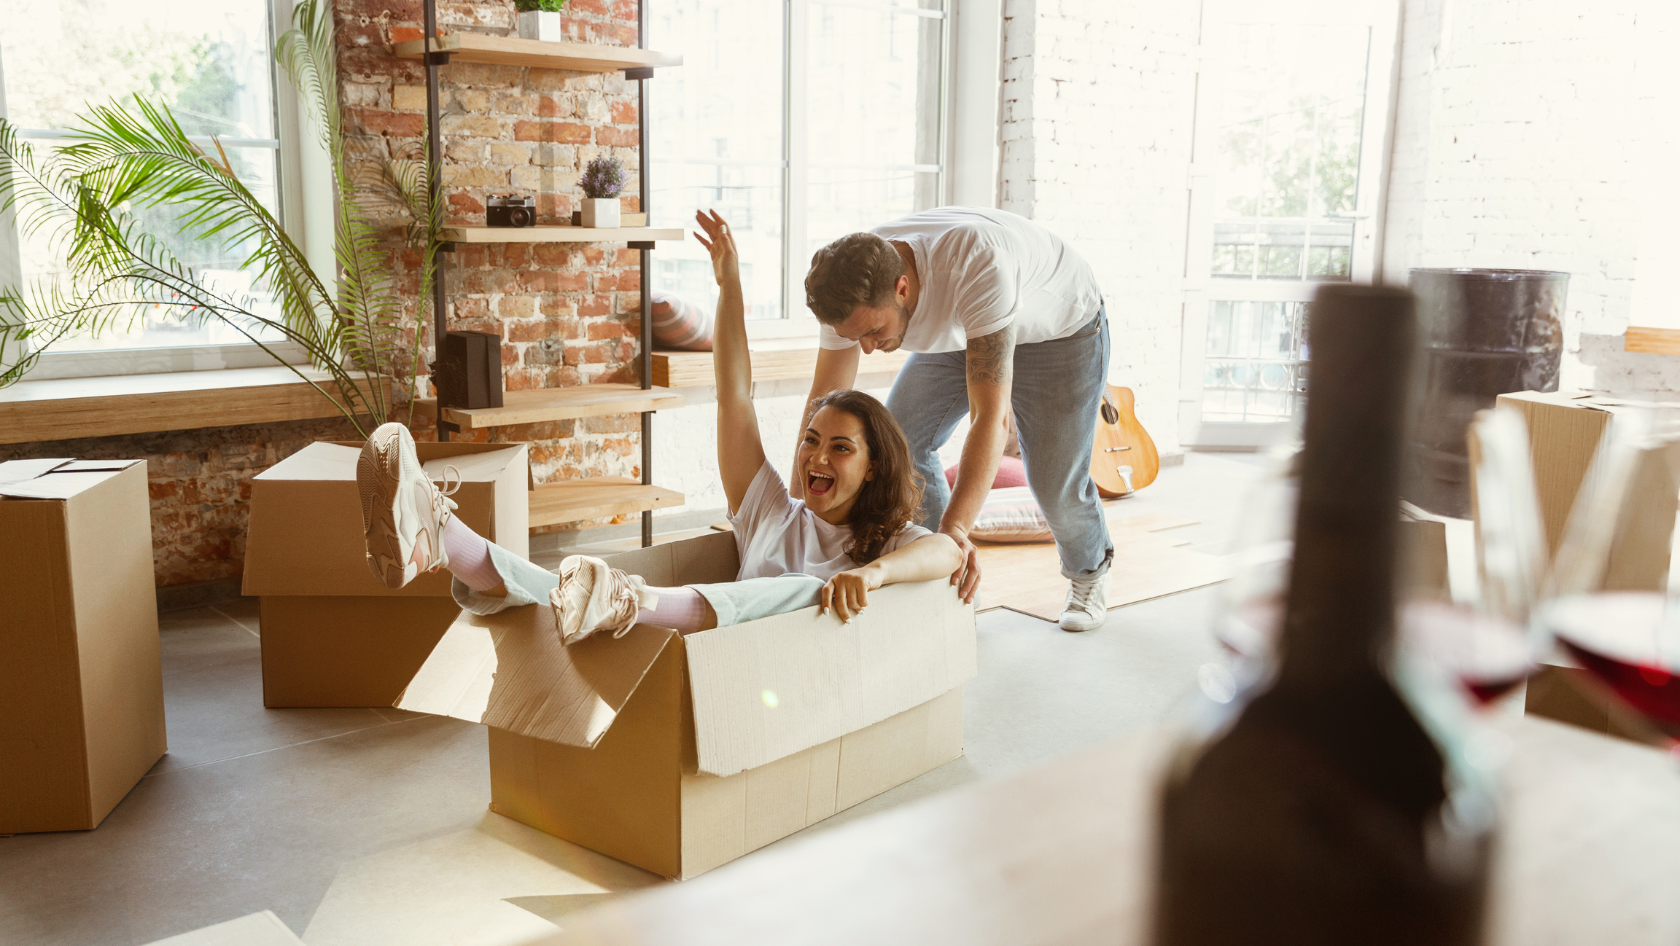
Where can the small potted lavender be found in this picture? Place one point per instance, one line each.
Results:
(539, 19)
(601, 182)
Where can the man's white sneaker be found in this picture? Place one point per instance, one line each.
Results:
(1087, 603)
(403, 512)
(594, 596)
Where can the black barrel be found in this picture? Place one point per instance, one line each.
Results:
(1484, 332)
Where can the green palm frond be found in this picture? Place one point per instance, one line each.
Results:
(89, 197)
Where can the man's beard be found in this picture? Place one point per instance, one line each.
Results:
(891, 344)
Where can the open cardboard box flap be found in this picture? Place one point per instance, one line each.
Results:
(292, 547)
(55, 478)
(762, 690)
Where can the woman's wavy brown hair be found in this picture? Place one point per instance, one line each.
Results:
(889, 500)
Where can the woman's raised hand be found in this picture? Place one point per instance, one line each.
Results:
(848, 592)
(720, 243)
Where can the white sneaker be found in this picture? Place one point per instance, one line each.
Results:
(1087, 603)
(594, 596)
(403, 512)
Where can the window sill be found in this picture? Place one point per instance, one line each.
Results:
(772, 360)
(65, 408)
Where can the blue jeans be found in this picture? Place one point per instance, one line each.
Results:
(1058, 386)
(736, 602)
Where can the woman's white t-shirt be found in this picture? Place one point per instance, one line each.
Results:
(776, 534)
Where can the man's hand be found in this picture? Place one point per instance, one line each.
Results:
(967, 575)
(721, 244)
(848, 592)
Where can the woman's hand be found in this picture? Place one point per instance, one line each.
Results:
(848, 592)
(726, 266)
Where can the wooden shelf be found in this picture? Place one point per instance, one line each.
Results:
(559, 234)
(546, 404)
(145, 403)
(772, 362)
(1653, 341)
(513, 51)
(593, 498)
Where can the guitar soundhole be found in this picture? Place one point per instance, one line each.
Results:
(1110, 414)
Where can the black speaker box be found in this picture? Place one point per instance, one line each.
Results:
(469, 374)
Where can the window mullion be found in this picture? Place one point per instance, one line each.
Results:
(795, 153)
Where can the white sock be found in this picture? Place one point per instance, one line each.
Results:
(469, 556)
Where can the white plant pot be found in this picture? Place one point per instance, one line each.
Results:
(601, 212)
(540, 25)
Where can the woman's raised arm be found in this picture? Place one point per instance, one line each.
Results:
(740, 450)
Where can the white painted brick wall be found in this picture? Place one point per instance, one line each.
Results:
(1098, 109)
(1514, 144)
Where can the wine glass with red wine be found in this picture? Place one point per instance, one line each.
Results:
(1612, 602)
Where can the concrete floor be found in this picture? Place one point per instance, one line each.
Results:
(369, 826)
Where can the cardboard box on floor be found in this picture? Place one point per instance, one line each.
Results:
(331, 634)
(81, 683)
(1564, 430)
(678, 754)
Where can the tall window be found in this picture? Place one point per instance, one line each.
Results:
(209, 60)
(800, 121)
(1290, 110)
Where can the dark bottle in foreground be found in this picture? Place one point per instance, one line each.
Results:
(1322, 813)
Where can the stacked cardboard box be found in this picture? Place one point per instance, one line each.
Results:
(81, 683)
(1565, 430)
(678, 754)
(331, 634)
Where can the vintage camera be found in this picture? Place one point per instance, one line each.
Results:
(510, 210)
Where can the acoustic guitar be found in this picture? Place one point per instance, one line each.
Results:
(1123, 459)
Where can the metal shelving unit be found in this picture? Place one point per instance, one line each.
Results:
(584, 498)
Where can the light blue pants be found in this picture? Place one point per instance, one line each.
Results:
(1058, 386)
(736, 602)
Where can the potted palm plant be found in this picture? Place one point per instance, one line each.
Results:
(602, 181)
(353, 323)
(539, 19)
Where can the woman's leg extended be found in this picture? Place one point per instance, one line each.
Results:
(521, 581)
(737, 602)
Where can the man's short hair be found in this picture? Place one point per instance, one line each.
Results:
(856, 270)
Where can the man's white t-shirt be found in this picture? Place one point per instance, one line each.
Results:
(776, 534)
(981, 270)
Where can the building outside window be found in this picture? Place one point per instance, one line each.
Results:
(1286, 179)
(798, 120)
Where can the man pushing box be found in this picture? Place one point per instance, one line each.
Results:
(1000, 313)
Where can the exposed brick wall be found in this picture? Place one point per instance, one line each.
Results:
(1098, 111)
(568, 314)
(1514, 147)
(200, 483)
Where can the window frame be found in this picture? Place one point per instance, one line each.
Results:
(1201, 289)
(304, 188)
(981, 22)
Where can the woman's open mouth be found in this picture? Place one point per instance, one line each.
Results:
(818, 483)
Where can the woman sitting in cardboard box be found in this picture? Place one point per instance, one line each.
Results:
(850, 535)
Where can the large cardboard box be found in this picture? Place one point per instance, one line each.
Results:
(81, 682)
(1564, 429)
(678, 754)
(331, 634)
